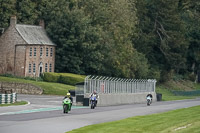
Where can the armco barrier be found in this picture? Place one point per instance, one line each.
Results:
(8, 98)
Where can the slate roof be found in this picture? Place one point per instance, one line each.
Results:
(33, 34)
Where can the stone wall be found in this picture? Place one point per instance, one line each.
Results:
(122, 98)
(20, 88)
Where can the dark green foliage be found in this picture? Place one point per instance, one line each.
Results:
(161, 35)
(26, 13)
(7, 9)
(66, 78)
(51, 77)
(190, 11)
(69, 80)
(128, 39)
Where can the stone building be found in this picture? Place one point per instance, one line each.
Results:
(26, 50)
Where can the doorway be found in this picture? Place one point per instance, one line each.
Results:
(40, 69)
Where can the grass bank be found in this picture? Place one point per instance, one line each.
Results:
(48, 87)
(180, 121)
(167, 88)
(14, 104)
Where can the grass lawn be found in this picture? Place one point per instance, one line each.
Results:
(185, 120)
(48, 87)
(167, 95)
(12, 104)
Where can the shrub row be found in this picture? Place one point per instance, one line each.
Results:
(65, 78)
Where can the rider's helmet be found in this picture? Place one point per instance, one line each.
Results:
(94, 92)
(68, 94)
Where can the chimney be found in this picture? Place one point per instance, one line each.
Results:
(13, 21)
(41, 23)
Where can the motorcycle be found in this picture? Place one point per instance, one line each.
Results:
(93, 102)
(149, 100)
(66, 105)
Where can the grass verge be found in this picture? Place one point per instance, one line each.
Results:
(180, 121)
(48, 87)
(167, 88)
(14, 104)
(167, 95)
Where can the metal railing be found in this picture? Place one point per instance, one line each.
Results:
(118, 85)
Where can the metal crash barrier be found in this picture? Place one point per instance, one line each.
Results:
(8, 98)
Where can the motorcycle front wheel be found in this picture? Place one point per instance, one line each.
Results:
(148, 102)
(65, 109)
(92, 105)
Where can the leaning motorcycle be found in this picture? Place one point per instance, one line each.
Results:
(148, 100)
(93, 102)
(66, 105)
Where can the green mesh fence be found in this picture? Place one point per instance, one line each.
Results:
(187, 93)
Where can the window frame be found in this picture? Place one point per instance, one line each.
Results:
(34, 68)
(29, 68)
(47, 51)
(30, 51)
(46, 67)
(51, 52)
(41, 51)
(35, 51)
(50, 67)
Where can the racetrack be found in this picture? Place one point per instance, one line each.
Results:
(44, 114)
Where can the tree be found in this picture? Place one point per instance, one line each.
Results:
(115, 21)
(26, 12)
(161, 35)
(190, 11)
(7, 9)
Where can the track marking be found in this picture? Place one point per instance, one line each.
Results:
(40, 110)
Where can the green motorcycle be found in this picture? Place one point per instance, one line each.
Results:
(66, 105)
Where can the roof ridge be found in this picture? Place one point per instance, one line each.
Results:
(27, 25)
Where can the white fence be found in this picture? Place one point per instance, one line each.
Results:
(108, 85)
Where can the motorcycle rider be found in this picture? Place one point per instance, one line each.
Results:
(69, 96)
(150, 95)
(95, 95)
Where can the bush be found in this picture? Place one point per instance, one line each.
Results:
(65, 78)
(192, 77)
(166, 75)
(154, 74)
(51, 77)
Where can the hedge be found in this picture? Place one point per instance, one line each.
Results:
(65, 78)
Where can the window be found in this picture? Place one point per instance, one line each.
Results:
(35, 50)
(46, 67)
(29, 69)
(41, 49)
(33, 67)
(50, 67)
(47, 51)
(30, 51)
(51, 52)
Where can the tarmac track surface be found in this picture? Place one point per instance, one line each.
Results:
(54, 121)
